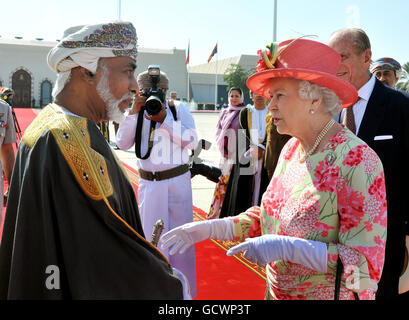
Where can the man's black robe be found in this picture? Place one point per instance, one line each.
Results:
(240, 188)
(54, 218)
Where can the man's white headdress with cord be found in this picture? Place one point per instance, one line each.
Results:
(84, 45)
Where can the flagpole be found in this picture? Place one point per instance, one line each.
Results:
(217, 58)
(187, 68)
(119, 10)
(275, 22)
(188, 89)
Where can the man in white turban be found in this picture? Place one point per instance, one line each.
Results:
(89, 47)
(72, 227)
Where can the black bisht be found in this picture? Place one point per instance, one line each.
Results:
(51, 221)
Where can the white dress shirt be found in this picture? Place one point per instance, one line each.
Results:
(172, 139)
(259, 124)
(359, 107)
(170, 199)
(257, 134)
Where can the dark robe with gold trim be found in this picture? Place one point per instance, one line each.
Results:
(239, 191)
(57, 216)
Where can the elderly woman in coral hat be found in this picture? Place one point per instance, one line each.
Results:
(321, 226)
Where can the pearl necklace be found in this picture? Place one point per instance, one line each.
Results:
(317, 142)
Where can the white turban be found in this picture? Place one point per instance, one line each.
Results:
(84, 45)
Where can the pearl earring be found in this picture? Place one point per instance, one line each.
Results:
(312, 111)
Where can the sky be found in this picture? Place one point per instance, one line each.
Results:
(237, 26)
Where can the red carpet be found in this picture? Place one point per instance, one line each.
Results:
(219, 277)
(24, 117)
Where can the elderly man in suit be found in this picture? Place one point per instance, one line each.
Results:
(380, 117)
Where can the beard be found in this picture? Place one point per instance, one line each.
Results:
(111, 103)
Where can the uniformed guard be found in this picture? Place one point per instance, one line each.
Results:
(7, 138)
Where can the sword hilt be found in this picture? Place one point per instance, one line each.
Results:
(157, 231)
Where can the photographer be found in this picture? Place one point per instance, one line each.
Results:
(163, 139)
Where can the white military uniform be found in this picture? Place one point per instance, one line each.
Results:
(170, 199)
(7, 135)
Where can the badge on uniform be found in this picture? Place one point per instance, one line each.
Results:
(3, 124)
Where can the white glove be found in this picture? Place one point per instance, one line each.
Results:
(181, 238)
(271, 247)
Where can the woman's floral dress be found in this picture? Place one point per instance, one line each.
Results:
(336, 196)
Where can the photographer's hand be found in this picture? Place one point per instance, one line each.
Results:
(160, 117)
(138, 103)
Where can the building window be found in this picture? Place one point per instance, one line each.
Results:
(46, 89)
(21, 84)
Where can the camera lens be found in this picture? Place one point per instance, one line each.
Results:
(153, 105)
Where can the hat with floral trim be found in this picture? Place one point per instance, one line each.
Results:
(301, 59)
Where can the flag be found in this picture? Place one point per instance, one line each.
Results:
(188, 54)
(213, 53)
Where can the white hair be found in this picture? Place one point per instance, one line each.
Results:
(111, 103)
(310, 90)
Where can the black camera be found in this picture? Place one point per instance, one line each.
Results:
(198, 167)
(154, 96)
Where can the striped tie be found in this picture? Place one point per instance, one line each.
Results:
(349, 119)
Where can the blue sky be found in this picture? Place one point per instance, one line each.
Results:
(239, 26)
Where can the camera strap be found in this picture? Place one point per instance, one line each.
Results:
(138, 136)
(172, 108)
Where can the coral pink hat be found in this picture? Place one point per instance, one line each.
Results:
(305, 60)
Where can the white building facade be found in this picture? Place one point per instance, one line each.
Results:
(23, 67)
(203, 78)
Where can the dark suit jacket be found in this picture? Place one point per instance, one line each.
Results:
(387, 114)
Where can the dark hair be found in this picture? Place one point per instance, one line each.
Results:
(236, 89)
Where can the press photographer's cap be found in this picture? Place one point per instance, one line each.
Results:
(144, 81)
(84, 45)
